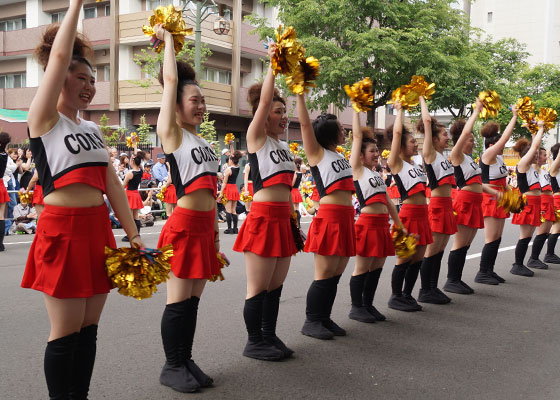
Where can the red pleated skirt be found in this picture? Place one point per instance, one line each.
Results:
(267, 231)
(67, 256)
(531, 214)
(332, 232)
(231, 192)
(547, 207)
(38, 195)
(557, 202)
(192, 235)
(315, 195)
(296, 196)
(468, 206)
(393, 192)
(428, 192)
(490, 205)
(170, 195)
(4, 197)
(373, 238)
(440, 214)
(134, 200)
(250, 188)
(415, 219)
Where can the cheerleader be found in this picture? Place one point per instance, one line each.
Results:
(192, 229)
(37, 189)
(131, 182)
(248, 184)
(230, 190)
(528, 183)
(266, 234)
(4, 197)
(331, 235)
(550, 256)
(296, 195)
(547, 212)
(411, 179)
(494, 174)
(169, 195)
(373, 240)
(440, 210)
(67, 258)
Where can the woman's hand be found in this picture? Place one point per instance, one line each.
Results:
(540, 123)
(271, 50)
(479, 106)
(137, 243)
(514, 109)
(160, 31)
(499, 195)
(397, 105)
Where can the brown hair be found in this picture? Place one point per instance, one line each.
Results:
(138, 158)
(456, 129)
(522, 146)
(491, 133)
(405, 134)
(236, 156)
(186, 75)
(365, 142)
(298, 162)
(554, 150)
(81, 53)
(4, 140)
(254, 96)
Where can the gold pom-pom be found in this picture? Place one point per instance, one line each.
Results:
(490, 102)
(385, 154)
(245, 197)
(308, 203)
(302, 77)
(296, 232)
(339, 149)
(405, 245)
(223, 199)
(288, 51)
(132, 140)
(347, 154)
(409, 95)
(224, 262)
(306, 187)
(512, 201)
(525, 108)
(230, 137)
(477, 160)
(557, 213)
(161, 194)
(294, 147)
(137, 272)
(548, 116)
(361, 95)
(26, 198)
(173, 22)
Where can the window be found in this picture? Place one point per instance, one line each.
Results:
(90, 12)
(12, 24)
(57, 16)
(216, 75)
(107, 72)
(107, 10)
(12, 81)
(153, 4)
(490, 17)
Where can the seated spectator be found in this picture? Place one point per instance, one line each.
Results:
(145, 214)
(25, 219)
(147, 174)
(159, 170)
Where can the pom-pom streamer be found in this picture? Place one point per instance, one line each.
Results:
(361, 95)
(173, 22)
(405, 244)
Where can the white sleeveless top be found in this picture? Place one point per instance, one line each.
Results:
(545, 180)
(467, 172)
(370, 188)
(440, 172)
(495, 173)
(272, 164)
(332, 173)
(528, 180)
(410, 180)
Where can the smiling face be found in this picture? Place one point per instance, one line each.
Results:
(277, 119)
(341, 134)
(469, 145)
(192, 107)
(370, 156)
(441, 140)
(79, 86)
(541, 157)
(410, 147)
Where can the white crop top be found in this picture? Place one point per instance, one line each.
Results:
(332, 173)
(410, 180)
(370, 188)
(272, 164)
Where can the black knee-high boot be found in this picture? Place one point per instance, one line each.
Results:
(317, 297)
(398, 300)
(520, 251)
(175, 373)
(434, 280)
(410, 277)
(2, 233)
(84, 359)
(550, 256)
(191, 314)
(538, 244)
(256, 347)
(370, 287)
(487, 260)
(235, 219)
(138, 225)
(429, 293)
(494, 255)
(455, 265)
(271, 306)
(327, 321)
(58, 364)
(229, 220)
(358, 310)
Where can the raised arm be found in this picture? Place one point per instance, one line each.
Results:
(43, 114)
(457, 150)
(312, 148)
(491, 152)
(246, 172)
(428, 151)
(394, 161)
(555, 166)
(525, 163)
(167, 128)
(357, 139)
(256, 136)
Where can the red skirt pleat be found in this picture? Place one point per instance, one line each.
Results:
(531, 214)
(4, 196)
(415, 219)
(332, 232)
(134, 200)
(468, 206)
(192, 235)
(440, 214)
(67, 256)
(296, 196)
(170, 195)
(231, 192)
(373, 238)
(38, 195)
(393, 192)
(490, 205)
(557, 202)
(315, 195)
(547, 207)
(250, 188)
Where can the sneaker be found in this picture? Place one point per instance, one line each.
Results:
(400, 303)
(202, 379)
(552, 259)
(262, 351)
(373, 311)
(485, 278)
(317, 330)
(455, 287)
(521, 270)
(333, 327)
(361, 314)
(431, 296)
(497, 277)
(536, 263)
(276, 342)
(178, 378)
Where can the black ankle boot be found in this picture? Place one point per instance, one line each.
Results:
(317, 296)
(398, 301)
(256, 346)
(358, 311)
(271, 305)
(59, 365)
(84, 359)
(175, 373)
(191, 313)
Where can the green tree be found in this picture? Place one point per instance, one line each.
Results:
(110, 135)
(208, 132)
(143, 130)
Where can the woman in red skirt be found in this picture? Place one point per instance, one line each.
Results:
(494, 174)
(231, 192)
(411, 181)
(296, 195)
(440, 210)
(529, 184)
(37, 189)
(551, 256)
(4, 197)
(331, 236)
(248, 184)
(192, 229)
(265, 237)
(170, 195)
(373, 239)
(67, 258)
(131, 182)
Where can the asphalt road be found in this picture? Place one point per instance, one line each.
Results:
(500, 343)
